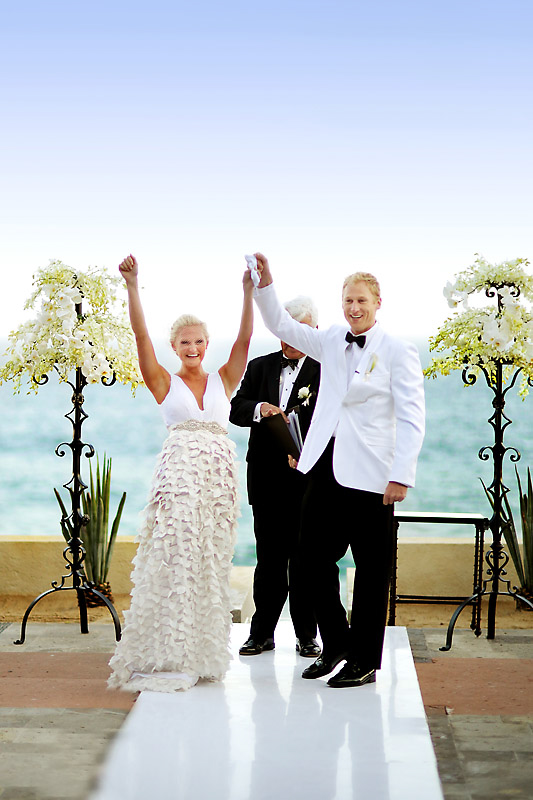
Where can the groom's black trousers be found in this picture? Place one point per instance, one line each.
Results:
(334, 518)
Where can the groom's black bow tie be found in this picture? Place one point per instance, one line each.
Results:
(289, 362)
(359, 340)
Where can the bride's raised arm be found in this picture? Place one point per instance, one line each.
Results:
(155, 376)
(233, 370)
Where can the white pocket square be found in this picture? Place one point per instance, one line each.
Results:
(251, 262)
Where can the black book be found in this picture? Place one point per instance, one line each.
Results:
(288, 436)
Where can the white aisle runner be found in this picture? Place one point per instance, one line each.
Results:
(267, 734)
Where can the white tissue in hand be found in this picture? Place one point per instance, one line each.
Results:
(252, 266)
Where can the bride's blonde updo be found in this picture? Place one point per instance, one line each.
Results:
(185, 321)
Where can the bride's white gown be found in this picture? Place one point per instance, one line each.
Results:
(177, 628)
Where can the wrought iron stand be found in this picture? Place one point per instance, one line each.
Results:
(74, 553)
(496, 557)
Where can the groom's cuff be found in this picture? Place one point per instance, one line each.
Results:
(263, 290)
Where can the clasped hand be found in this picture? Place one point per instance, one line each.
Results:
(394, 493)
(269, 410)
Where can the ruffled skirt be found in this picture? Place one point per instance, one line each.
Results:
(177, 628)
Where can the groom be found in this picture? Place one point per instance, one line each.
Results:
(360, 456)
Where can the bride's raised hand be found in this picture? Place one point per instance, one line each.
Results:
(129, 269)
(247, 282)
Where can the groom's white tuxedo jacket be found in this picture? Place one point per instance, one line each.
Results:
(376, 414)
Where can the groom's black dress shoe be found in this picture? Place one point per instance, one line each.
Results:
(252, 648)
(323, 666)
(352, 675)
(308, 648)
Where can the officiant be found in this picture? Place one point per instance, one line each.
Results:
(360, 456)
(274, 384)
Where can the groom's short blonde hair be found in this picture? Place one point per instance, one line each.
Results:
(366, 277)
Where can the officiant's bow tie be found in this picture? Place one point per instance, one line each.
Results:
(289, 362)
(359, 340)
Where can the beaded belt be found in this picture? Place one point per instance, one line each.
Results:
(197, 425)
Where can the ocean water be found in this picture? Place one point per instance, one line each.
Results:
(130, 430)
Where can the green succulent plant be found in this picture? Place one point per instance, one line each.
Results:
(522, 558)
(98, 540)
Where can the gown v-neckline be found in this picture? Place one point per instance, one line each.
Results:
(192, 393)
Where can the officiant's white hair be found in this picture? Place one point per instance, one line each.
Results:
(185, 321)
(302, 307)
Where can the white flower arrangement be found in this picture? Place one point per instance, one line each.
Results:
(99, 340)
(484, 336)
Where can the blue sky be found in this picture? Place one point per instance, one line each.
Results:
(389, 136)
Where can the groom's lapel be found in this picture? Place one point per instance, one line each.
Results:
(369, 351)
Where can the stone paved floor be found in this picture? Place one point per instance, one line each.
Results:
(55, 753)
(51, 754)
(484, 757)
(480, 755)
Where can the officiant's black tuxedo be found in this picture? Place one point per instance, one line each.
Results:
(275, 492)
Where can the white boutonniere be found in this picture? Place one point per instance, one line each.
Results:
(371, 366)
(305, 394)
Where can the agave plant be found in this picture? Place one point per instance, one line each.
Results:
(98, 541)
(522, 559)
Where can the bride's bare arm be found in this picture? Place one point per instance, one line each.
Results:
(155, 376)
(233, 370)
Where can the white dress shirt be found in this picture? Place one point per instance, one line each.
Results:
(287, 380)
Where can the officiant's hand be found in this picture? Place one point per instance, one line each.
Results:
(394, 493)
(264, 270)
(268, 410)
(292, 462)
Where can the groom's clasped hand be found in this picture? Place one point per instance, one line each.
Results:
(263, 269)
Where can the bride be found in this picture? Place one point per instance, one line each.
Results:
(177, 628)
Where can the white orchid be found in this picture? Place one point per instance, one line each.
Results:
(95, 368)
(498, 333)
(449, 294)
(66, 296)
(508, 295)
(455, 297)
(43, 346)
(510, 302)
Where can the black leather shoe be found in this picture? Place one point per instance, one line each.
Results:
(252, 648)
(308, 648)
(323, 666)
(352, 675)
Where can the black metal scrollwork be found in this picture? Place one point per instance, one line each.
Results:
(469, 377)
(74, 553)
